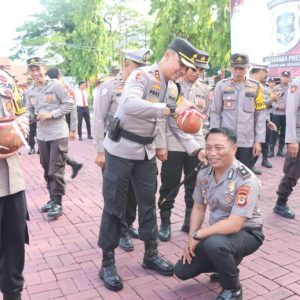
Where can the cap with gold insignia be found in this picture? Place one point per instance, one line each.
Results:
(239, 60)
(186, 51)
(286, 74)
(140, 56)
(34, 61)
(201, 61)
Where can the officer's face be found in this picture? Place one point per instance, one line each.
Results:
(37, 73)
(176, 68)
(238, 74)
(128, 67)
(285, 79)
(192, 75)
(220, 151)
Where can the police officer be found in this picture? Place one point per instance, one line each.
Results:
(196, 91)
(238, 104)
(105, 106)
(13, 208)
(231, 191)
(130, 154)
(50, 103)
(278, 114)
(291, 166)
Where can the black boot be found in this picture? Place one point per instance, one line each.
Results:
(187, 218)
(48, 205)
(164, 233)
(126, 243)
(108, 272)
(75, 167)
(231, 294)
(280, 151)
(266, 163)
(154, 261)
(133, 232)
(56, 208)
(12, 296)
(271, 151)
(283, 211)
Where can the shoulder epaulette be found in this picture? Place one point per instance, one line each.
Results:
(253, 81)
(242, 170)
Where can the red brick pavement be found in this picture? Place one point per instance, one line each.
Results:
(63, 259)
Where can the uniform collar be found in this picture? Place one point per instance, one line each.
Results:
(225, 176)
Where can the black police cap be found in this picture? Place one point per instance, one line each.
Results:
(201, 61)
(239, 60)
(286, 74)
(35, 61)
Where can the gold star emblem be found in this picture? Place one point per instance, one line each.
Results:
(239, 59)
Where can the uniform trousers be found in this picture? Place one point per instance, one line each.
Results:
(13, 236)
(118, 174)
(53, 155)
(291, 170)
(171, 172)
(221, 254)
(265, 145)
(244, 155)
(83, 113)
(280, 121)
(32, 134)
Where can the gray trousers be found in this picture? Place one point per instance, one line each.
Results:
(118, 174)
(53, 155)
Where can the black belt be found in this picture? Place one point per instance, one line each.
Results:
(253, 228)
(136, 138)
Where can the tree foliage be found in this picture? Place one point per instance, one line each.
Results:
(205, 23)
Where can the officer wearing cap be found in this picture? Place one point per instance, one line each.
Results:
(13, 208)
(231, 191)
(238, 104)
(105, 107)
(278, 114)
(291, 166)
(148, 99)
(193, 89)
(48, 101)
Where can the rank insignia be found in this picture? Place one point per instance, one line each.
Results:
(243, 172)
(157, 74)
(140, 76)
(242, 195)
(9, 106)
(205, 201)
(293, 89)
(231, 186)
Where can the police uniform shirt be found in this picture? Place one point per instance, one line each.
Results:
(236, 193)
(279, 106)
(140, 110)
(105, 106)
(292, 133)
(11, 179)
(241, 108)
(73, 113)
(192, 92)
(51, 97)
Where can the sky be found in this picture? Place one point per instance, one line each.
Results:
(13, 14)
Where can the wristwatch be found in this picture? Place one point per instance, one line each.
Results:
(172, 107)
(195, 236)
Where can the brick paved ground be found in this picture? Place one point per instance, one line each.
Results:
(63, 259)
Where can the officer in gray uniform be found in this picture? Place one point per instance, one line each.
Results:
(291, 166)
(196, 91)
(105, 107)
(231, 191)
(130, 154)
(49, 102)
(238, 104)
(13, 208)
(278, 114)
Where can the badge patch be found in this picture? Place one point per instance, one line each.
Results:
(8, 106)
(228, 104)
(156, 86)
(49, 98)
(157, 74)
(293, 89)
(140, 77)
(242, 195)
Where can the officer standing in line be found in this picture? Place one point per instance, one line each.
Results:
(130, 155)
(196, 91)
(50, 103)
(291, 166)
(71, 118)
(231, 191)
(278, 114)
(238, 104)
(105, 106)
(13, 207)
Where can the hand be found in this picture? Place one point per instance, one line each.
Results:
(202, 156)
(274, 97)
(272, 126)
(200, 105)
(184, 105)
(43, 116)
(293, 149)
(256, 149)
(100, 159)
(23, 127)
(5, 156)
(161, 154)
(72, 135)
(189, 251)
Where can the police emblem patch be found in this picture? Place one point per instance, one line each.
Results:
(242, 195)
(293, 89)
(228, 104)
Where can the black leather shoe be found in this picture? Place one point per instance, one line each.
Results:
(164, 233)
(133, 233)
(230, 294)
(280, 153)
(31, 151)
(55, 211)
(126, 243)
(111, 279)
(13, 296)
(155, 261)
(256, 171)
(271, 151)
(214, 277)
(284, 211)
(47, 207)
(80, 138)
(90, 137)
(266, 163)
(75, 169)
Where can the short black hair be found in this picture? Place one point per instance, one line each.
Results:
(81, 82)
(53, 73)
(230, 134)
(256, 70)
